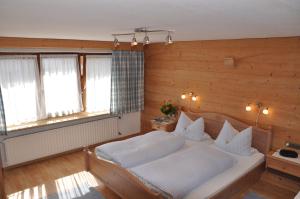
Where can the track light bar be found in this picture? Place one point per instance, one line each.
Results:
(146, 40)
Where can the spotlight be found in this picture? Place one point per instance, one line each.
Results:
(169, 39)
(248, 108)
(116, 42)
(183, 96)
(194, 98)
(134, 42)
(266, 111)
(146, 40)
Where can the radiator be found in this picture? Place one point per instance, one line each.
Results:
(34, 146)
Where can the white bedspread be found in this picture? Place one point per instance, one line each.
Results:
(178, 173)
(141, 149)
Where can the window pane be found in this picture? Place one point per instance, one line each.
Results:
(19, 83)
(61, 83)
(98, 83)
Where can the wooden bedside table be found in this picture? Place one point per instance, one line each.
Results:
(286, 165)
(164, 124)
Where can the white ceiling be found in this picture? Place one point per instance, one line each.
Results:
(191, 19)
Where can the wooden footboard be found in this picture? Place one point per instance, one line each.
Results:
(118, 179)
(241, 184)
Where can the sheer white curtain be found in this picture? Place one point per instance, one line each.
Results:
(61, 84)
(20, 89)
(98, 83)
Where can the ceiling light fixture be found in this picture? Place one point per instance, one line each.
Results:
(169, 38)
(146, 39)
(134, 41)
(116, 42)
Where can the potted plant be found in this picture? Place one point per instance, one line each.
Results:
(168, 109)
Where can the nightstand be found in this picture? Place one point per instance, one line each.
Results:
(286, 165)
(164, 124)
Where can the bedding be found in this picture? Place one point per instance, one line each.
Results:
(183, 122)
(216, 184)
(178, 173)
(231, 140)
(192, 130)
(140, 149)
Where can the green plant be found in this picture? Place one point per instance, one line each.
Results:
(168, 109)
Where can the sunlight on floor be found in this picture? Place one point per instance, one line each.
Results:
(75, 185)
(35, 192)
(68, 187)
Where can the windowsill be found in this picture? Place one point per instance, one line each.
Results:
(54, 123)
(54, 120)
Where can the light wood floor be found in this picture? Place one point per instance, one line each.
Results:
(66, 175)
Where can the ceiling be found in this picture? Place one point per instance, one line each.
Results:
(191, 19)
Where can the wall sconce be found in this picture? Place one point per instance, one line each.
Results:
(194, 98)
(190, 96)
(248, 108)
(266, 111)
(261, 109)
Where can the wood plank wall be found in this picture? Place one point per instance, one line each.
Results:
(266, 70)
(16, 42)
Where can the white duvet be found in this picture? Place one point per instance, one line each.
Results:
(140, 149)
(178, 173)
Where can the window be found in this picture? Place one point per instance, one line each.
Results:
(98, 83)
(37, 86)
(61, 84)
(19, 83)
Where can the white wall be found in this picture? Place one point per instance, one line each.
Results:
(130, 123)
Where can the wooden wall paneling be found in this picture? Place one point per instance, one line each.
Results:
(266, 70)
(16, 42)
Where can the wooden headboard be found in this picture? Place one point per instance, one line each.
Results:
(261, 138)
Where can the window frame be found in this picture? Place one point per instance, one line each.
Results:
(81, 57)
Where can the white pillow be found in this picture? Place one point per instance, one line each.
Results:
(234, 141)
(183, 122)
(193, 130)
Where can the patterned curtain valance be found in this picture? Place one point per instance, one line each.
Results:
(3, 130)
(127, 82)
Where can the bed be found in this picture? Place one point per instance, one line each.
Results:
(244, 173)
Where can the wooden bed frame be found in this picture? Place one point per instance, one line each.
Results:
(126, 185)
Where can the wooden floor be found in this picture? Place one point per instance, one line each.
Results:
(65, 175)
